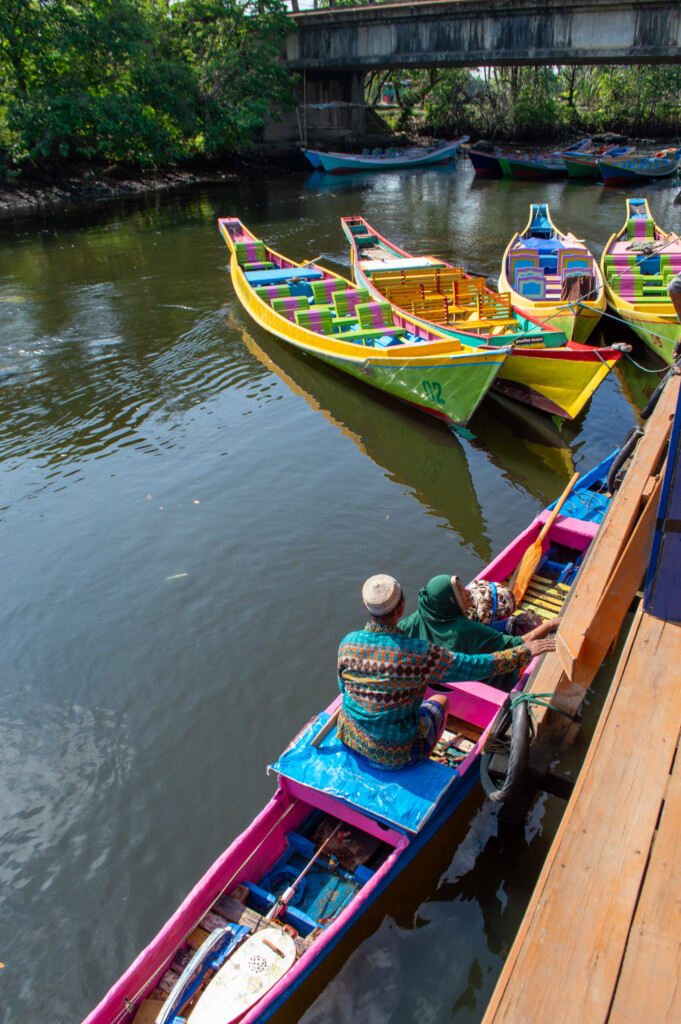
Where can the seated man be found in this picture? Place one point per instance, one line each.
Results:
(383, 675)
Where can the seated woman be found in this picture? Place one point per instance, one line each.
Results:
(442, 618)
(383, 674)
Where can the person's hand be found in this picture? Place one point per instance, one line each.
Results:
(549, 626)
(535, 647)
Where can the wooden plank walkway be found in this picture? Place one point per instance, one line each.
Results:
(601, 938)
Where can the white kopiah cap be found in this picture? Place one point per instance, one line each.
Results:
(381, 594)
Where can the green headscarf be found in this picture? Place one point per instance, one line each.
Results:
(440, 620)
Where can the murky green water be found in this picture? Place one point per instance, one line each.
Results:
(188, 512)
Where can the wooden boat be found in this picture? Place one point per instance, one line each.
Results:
(492, 162)
(532, 166)
(553, 276)
(343, 829)
(323, 314)
(485, 159)
(585, 164)
(628, 170)
(637, 264)
(385, 159)
(542, 371)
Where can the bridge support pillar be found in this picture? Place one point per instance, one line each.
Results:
(338, 87)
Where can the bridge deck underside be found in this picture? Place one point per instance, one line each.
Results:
(451, 33)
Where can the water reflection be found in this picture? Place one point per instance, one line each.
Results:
(422, 454)
(419, 453)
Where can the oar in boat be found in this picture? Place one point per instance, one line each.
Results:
(532, 556)
(325, 729)
(258, 963)
(282, 901)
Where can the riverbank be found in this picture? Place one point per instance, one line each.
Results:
(27, 194)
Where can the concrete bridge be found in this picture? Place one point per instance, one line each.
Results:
(465, 33)
(335, 47)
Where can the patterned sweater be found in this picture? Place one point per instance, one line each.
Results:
(383, 675)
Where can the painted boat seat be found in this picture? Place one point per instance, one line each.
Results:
(257, 278)
(273, 291)
(416, 263)
(346, 302)
(377, 316)
(531, 283)
(325, 290)
(289, 305)
(402, 799)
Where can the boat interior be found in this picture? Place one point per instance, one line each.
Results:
(542, 266)
(430, 289)
(642, 260)
(318, 300)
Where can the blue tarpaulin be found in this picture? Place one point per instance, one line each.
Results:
(403, 799)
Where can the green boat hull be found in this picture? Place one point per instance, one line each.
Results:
(577, 169)
(660, 337)
(444, 389)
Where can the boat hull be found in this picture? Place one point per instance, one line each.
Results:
(559, 382)
(659, 332)
(615, 173)
(581, 168)
(485, 165)
(530, 170)
(347, 163)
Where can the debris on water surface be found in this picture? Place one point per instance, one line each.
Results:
(176, 576)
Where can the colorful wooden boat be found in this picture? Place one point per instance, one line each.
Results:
(542, 371)
(385, 159)
(492, 162)
(637, 264)
(553, 276)
(585, 164)
(532, 166)
(333, 837)
(633, 169)
(323, 314)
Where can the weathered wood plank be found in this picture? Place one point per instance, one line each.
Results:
(618, 593)
(648, 988)
(565, 962)
(616, 528)
(148, 1011)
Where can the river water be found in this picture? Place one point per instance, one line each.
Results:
(188, 513)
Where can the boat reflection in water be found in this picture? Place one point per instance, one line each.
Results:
(422, 455)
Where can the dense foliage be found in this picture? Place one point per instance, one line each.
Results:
(538, 102)
(144, 81)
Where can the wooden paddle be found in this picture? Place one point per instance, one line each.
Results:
(532, 556)
(325, 729)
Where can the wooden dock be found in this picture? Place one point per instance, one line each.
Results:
(601, 938)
